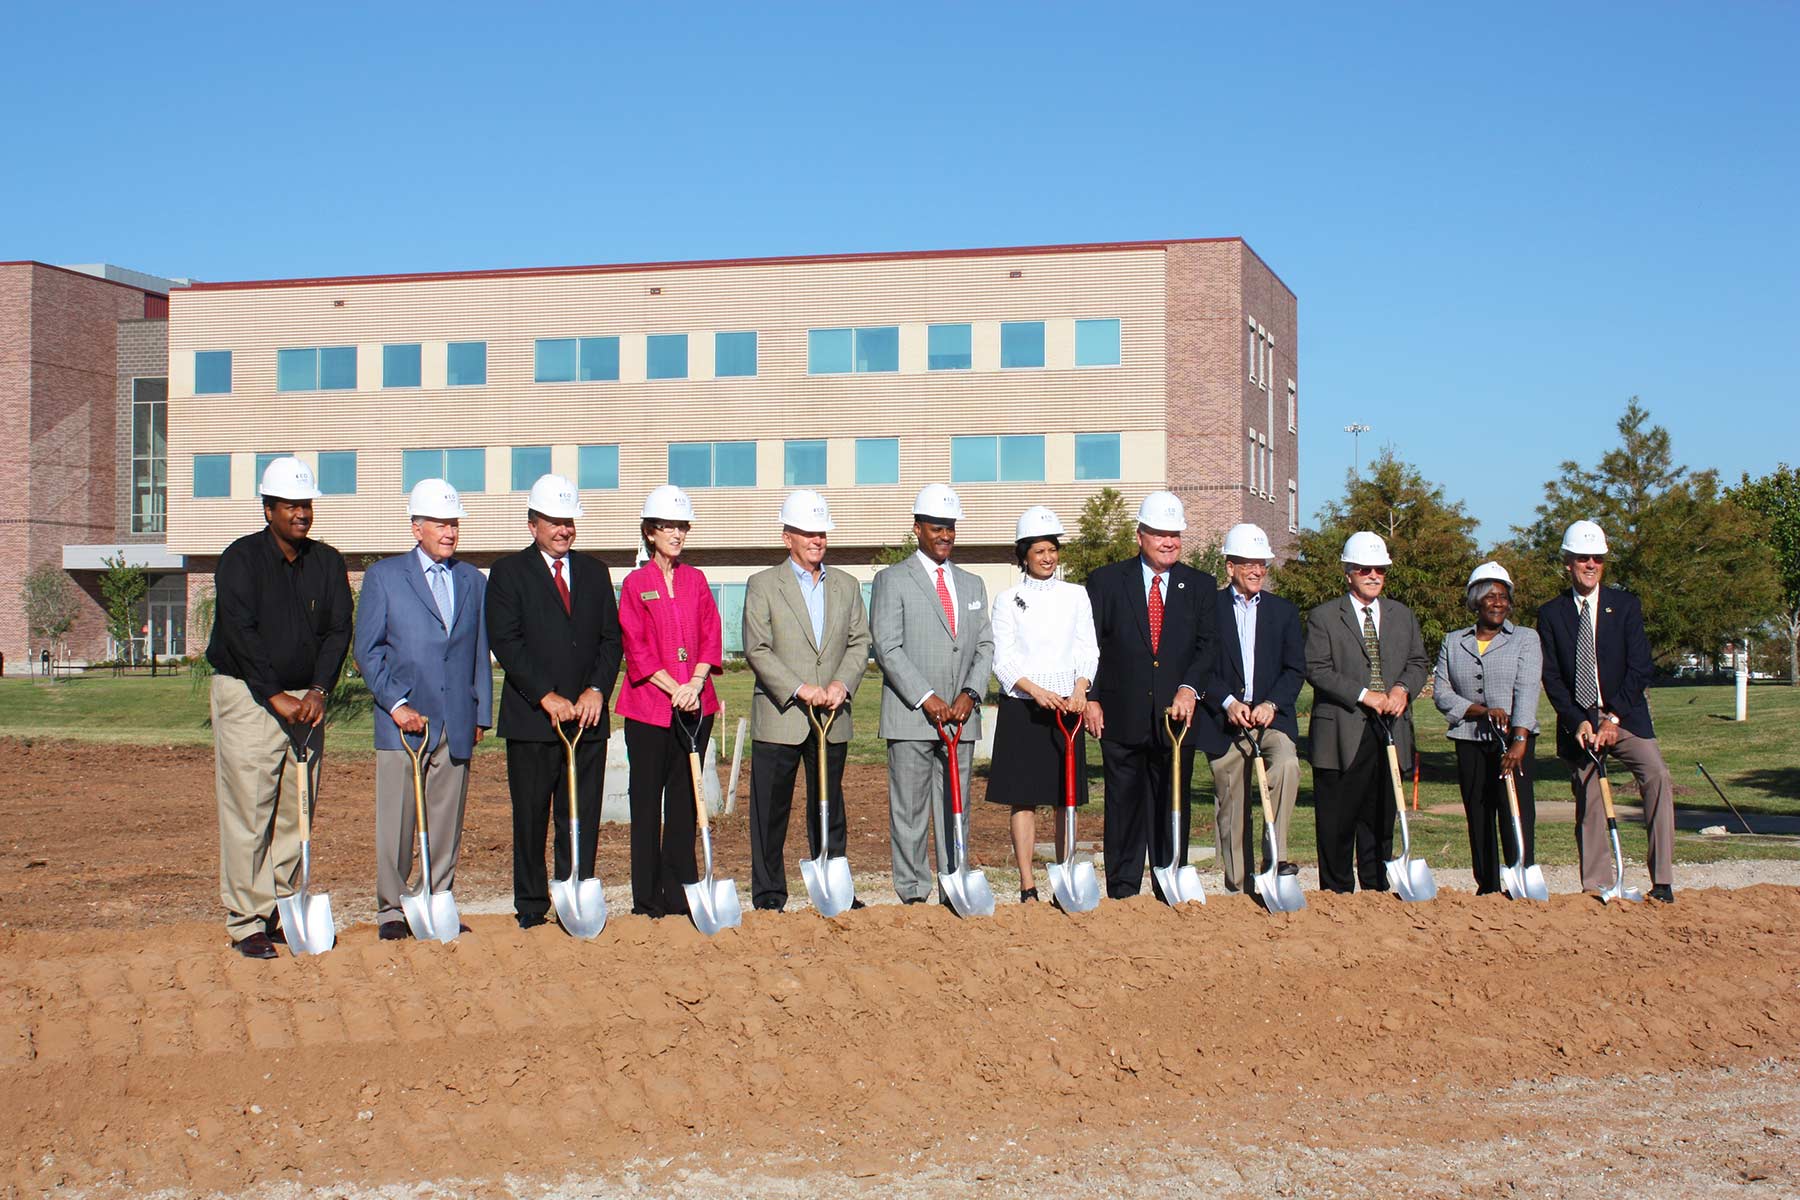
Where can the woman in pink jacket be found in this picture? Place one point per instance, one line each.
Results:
(673, 642)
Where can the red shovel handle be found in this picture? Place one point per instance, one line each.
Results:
(951, 733)
(1070, 724)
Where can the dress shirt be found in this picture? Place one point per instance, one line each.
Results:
(1243, 611)
(280, 625)
(550, 561)
(429, 564)
(931, 570)
(1592, 600)
(1373, 608)
(812, 591)
(1044, 632)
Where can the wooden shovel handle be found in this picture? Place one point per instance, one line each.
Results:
(1393, 756)
(699, 791)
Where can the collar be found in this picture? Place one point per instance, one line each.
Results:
(1238, 597)
(1357, 604)
(1150, 571)
(550, 561)
(931, 568)
(804, 575)
(426, 562)
(301, 548)
(1030, 584)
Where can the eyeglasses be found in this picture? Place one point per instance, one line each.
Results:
(1360, 570)
(1593, 558)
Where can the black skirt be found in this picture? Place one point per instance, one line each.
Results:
(1027, 771)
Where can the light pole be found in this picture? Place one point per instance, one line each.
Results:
(1356, 429)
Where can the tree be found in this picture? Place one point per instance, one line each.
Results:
(1209, 558)
(123, 587)
(887, 556)
(1776, 498)
(1105, 533)
(51, 607)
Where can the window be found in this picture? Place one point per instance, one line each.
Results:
(1021, 344)
(529, 462)
(149, 454)
(665, 356)
(555, 360)
(565, 360)
(1255, 461)
(1096, 456)
(212, 372)
(597, 467)
(464, 469)
(828, 351)
(877, 461)
(337, 472)
(997, 459)
(315, 369)
(1251, 355)
(400, 365)
(212, 476)
(878, 349)
(948, 348)
(263, 460)
(1293, 507)
(730, 599)
(1097, 343)
(1293, 408)
(842, 351)
(712, 464)
(465, 365)
(734, 354)
(803, 463)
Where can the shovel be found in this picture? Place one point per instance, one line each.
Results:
(431, 915)
(1076, 887)
(1618, 890)
(306, 919)
(1408, 876)
(968, 890)
(828, 883)
(580, 903)
(1279, 893)
(1519, 879)
(1179, 883)
(713, 904)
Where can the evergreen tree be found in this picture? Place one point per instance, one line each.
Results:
(1776, 498)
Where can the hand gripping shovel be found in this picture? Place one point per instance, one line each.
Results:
(1279, 893)
(1618, 890)
(1076, 887)
(1519, 879)
(305, 918)
(1408, 876)
(1179, 883)
(580, 903)
(828, 883)
(431, 915)
(712, 903)
(968, 890)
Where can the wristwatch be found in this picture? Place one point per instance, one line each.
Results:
(1612, 718)
(972, 694)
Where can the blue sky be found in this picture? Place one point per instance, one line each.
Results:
(1500, 223)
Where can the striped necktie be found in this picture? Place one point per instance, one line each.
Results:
(1372, 644)
(1587, 675)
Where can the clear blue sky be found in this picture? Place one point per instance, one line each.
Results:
(1501, 223)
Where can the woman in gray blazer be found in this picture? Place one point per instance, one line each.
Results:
(1486, 685)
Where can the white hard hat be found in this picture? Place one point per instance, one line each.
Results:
(1038, 522)
(287, 478)
(937, 500)
(668, 503)
(435, 498)
(1162, 511)
(1584, 537)
(1365, 549)
(1490, 570)
(1247, 541)
(554, 496)
(806, 511)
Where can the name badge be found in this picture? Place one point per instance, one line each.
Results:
(649, 595)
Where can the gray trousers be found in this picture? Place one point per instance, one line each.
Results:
(257, 781)
(396, 823)
(918, 799)
(1593, 846)
(1234, 786)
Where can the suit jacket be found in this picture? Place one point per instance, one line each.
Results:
(917, 653)
(542, 648)
(779, 646)
(1337, 665)
(1134, 686)
(1622, 650)
(1279, 663)
(1508, 675)
(405, 652)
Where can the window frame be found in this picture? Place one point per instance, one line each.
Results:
(1118, 457)
(1019, 326)
(213, 356)
(336, 456)
(581, 477)
(967, 353)
(719, 336)
(804, 445)
(513, 464)
(872, 442)
(387, 364)
(212, 461)
(1118, 341)
(651, 342)
(450, 349)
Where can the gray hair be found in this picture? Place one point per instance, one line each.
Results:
(1480, 588)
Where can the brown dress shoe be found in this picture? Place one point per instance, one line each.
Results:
(257, 945)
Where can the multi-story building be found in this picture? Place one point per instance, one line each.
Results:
(1019, 376)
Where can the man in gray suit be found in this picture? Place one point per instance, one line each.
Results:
(806, 638)
(1366, 661)
(934, 643)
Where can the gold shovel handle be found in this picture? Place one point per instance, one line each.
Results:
(418, 771)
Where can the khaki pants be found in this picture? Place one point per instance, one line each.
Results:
(259, 805)
(1593, 845)
(1234, 785)
(396, 822)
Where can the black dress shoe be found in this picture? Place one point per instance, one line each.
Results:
(1028, 895)
(393, 931)
(912, 900)
(273, 929)
(856, 904)
(1287, 868)
(531, 921)
(1663, 892)
(257, 945)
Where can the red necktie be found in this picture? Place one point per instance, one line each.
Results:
(1155, 612)
(562, 587)
(944, 599)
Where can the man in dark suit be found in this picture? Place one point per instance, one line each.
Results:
(1596, 666)
(553, 623)
(1153, 618)
(1365, 658)
(1259, 667)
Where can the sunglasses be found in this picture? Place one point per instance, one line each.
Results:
(1368, 570)
(1582, 558)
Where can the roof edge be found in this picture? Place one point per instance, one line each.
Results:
(32, 262)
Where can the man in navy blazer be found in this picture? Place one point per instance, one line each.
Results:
(422, 647)
(1259, 667)
(1596, 666)
(1153, 619)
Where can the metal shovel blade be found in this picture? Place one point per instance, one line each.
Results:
(433, 917)
(306, 922)
(828, 884)
(1618, 890)
(1518, 880)
(1076, 886)
(1278, 892)
(1179, 885)
(1409, 877)
(713, 903)
(969, 893)
(580, 906)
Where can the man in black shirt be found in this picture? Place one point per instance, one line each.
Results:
(281, 628)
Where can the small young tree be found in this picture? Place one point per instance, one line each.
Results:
(887, 556)
(123, 587)
(51, 607)
(1776, 499)
(1105, 533)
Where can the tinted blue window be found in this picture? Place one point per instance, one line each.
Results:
(878, 349)
(263, 461)
(803, 463)
(690, 464)
(555, 360)
(1022, 459)
(734, 354)
(337, 472)
(665, 356)
(1021, 343)
(529, 462)
(734, 464)
(420, 464)
(212, 476)
(465, 365)
(400, 365)
(296, 370)
(827, 351)
(597, 467)
(599, 358)
(337, 368)
(730, 599)
(947, 348)
(972, 460)
(212, 373)
(1097, 343)
(877, 460)
(466, 470)
(1096, 456)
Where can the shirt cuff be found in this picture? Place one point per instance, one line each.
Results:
(929, 693)
(398, 705)
(1228, 702)
(1361, 694)
(1188, 687)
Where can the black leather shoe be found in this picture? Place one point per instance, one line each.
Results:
(912, 900)
(273, 929)
(1287, 868)
(393, 931)
(1028, 895)
(257, 945)
(531, 922)
(1663, 892)
(856, 904)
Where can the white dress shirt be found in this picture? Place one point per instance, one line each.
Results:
(932, 567)
(1373, 608)
(1044, 632)
(550, 561)
(1243, 611)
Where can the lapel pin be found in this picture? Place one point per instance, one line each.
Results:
(1180, 585)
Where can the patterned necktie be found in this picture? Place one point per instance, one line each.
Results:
(1156, 613)
(562, 587)
(1587, 677)
(1372, 644)
(440, 591)
(944, 599)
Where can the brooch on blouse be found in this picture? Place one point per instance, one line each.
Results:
(681, 654)
(1020, 601)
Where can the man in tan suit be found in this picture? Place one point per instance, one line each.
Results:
(806, 638)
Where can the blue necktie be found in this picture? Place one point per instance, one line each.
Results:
(440, 591)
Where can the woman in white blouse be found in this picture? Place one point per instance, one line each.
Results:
(1044, 656)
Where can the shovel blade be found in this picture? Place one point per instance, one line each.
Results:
(432, 918)
(1616, 892)
(1278, 892)
(1180, 885)
(580, 906)
(1076, 886)
(969, 893)
(1524, 883)
(1411, 879)
(306, 923)
(828, 884)
(713, 903)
